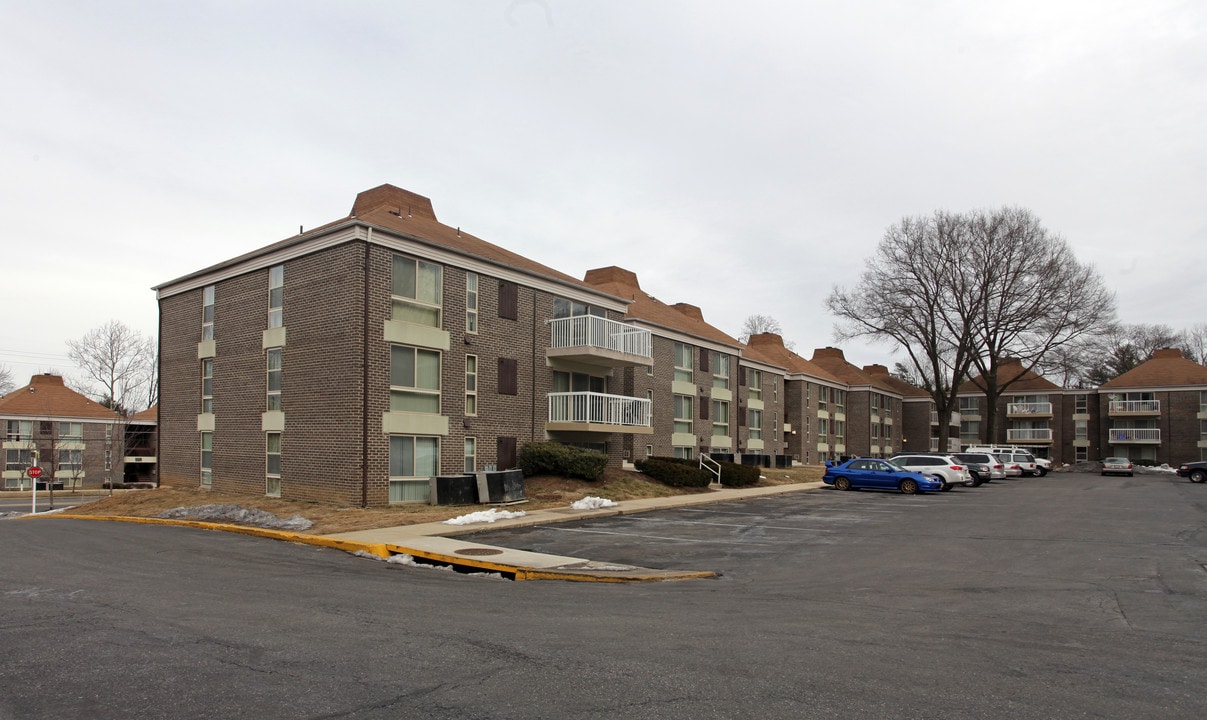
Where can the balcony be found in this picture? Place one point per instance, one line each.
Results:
(599, 341)
(1031, 409)
(1134, 407)
(1140, 436)
(955, 418)
(1041, 436)
(597, 412)
(953, 445)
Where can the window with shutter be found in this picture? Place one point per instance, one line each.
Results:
(508, 376)
(509, 300)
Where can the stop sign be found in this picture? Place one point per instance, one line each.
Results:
(34, 472)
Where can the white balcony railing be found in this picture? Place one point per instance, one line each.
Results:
(955, 418)
(1135, 435)
(1125, 407)
(590, 331)
(953, 445)
(1029, 434)
(599, 409)
(1029, 408)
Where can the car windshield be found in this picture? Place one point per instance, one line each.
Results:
(896, 464)
(1115, 461)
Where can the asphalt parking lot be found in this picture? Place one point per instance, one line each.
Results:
(1070, 596)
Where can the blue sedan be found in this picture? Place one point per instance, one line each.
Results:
(880, 475)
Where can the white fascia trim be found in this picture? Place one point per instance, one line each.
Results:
(678, 336)
(1141, 388)
(817, 381)
(65, 418)
(760, 365)
(327, 239)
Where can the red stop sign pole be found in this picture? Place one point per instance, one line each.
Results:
(34, 472)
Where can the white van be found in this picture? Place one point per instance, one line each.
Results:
(1016, 456)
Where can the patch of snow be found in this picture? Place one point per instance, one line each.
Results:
(237, 514)
(485, 516)
(593, 503)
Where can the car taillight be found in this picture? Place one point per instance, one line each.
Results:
(957, 467)
(999, 467)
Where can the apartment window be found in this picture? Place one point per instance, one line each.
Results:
(875, 401)
(274, 379)
(471, 303)
(1081, 430)
(414, 380)
(1081, 403)
(1203, 401)
(775, 426)
(207, 458)
(471, 454)
(839, 398)
(17, 460)
(970, 432)
(563, 308)
(276, 296)
(720, 417)
(649, 451)
(207, 385)
(970, 406)
(71, 462)
(471, 384)
(775, 390)
(683, 362)
(416, 291)
(823, 428)
(840, 428)
(207, 313)
(754, 380)
(19, 431)
(823, 396)
(1080, 454)
(272, 464)
(71, 431)
(720, 370)
(683, 413)
(683, 453)
(755, 423)
(875, 431)
(412, 457)
(1203, 431)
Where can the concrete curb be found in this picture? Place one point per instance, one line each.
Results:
(406, 539)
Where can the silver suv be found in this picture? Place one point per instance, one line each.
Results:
(948, 469)
(1013, 456)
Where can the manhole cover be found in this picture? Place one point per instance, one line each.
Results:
(479, 551)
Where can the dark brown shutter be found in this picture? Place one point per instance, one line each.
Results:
(508, 376)
(509, 300)
(741, 413)
(703, 360)
(506, 453)
(704, 407)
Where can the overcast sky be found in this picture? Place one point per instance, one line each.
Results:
(742, 157)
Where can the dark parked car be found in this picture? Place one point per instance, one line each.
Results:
(881, 475)
(1196, 471)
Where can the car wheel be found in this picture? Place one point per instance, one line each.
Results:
(909, 486)
(946, 486)
(842, 484)
(1198, 476)
(1104, 473)
(1043, 471)
(975, 482)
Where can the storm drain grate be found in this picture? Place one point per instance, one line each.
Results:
(479, 551)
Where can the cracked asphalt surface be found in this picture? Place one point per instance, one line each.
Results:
(1066, 596)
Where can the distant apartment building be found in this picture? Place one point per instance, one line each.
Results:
(76, 442)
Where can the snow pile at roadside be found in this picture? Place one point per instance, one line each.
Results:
(239, 515)
(485, 516)
(592, 503)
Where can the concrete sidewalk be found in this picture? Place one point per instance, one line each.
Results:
(437, 542)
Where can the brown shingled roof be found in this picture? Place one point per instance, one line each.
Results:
(1167, 368)
(881, 374)
(769, 347)
(832, 359)
(47, 396)
(1010, 369)
(682, 317)
(149, 415)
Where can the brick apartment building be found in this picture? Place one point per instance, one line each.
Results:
(78, 443)
(353, 362)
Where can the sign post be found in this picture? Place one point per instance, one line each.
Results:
(34, 473)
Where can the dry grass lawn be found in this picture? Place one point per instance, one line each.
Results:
(541, 491)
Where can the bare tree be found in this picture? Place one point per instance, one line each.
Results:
(7, 383)
(119, 363)
(1123, 348)
(964, 291)
(1194, 343)
(915, 292)
(1033, 296)
(758, 324)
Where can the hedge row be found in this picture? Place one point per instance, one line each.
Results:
(732, 474)
(551, 458)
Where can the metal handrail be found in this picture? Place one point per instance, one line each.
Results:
(713, 467)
